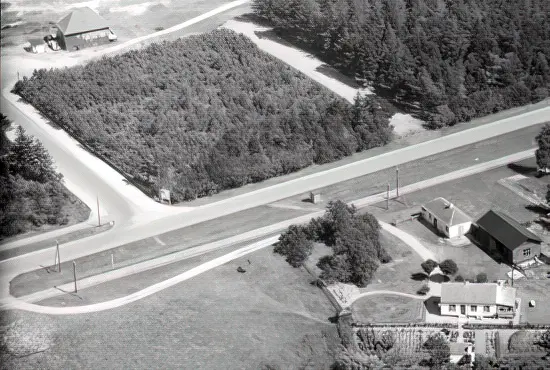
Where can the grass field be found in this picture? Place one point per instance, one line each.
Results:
(269, 317)
(149, 248)
(387, 309)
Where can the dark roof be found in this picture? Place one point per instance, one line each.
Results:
(505, 229)
(81, 20)
(445, 211)
(477, 293)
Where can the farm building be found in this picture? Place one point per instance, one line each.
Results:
(446, 217)
(478, 300)
(37, 46)
(83, 28)
(499, 232)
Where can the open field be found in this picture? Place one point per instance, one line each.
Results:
(269, 316)
(24, 19)
(387, 309)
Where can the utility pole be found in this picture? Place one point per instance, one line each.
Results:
(74, 275)
(397, 180)
(57, 257)
(112, 261)
(388, 197)
(98, 215)
(18, 76)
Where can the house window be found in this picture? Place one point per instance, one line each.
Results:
(486, 309)
(452, 308)
(447, 228)
(473, 308)
(526, 252)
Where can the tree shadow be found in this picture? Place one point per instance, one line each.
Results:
(439, 278)
(523, 169)
(541, 211)
(419, 276)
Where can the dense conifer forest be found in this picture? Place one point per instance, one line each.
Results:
(453, 59)
(31, 192)
(202, 114)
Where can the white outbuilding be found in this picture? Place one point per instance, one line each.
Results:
(446, 218)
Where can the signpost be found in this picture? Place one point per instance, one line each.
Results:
(165, 196)
(397, 180)
(74, 275)
(388, 197)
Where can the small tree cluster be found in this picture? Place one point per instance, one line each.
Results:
(448, 267)
(295, 245)
(439, 350)
(428, 266)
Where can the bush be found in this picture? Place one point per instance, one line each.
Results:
(481, 278)
(428, 266)
(423, 290)
(295, 245)
(459, 278)
(448, 267)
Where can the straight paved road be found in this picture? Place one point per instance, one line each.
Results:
(132, 232)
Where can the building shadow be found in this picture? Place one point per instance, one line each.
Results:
(430, 226)
(432, 305)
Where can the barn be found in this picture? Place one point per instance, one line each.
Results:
(83, 28)
(497, 231)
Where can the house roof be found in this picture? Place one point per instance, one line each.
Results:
(478, 293)
(81, 20)
(445, 211)
(505, 229)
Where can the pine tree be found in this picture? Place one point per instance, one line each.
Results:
(543, 152)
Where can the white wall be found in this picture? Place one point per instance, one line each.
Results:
(446, 312)
(454, 231)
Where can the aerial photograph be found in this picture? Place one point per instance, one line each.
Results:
(275, 184)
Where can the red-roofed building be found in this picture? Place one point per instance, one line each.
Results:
(83, 28)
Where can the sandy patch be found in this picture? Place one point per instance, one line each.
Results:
(136, 9)
(405, 124)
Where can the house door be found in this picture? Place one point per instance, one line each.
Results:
(463, 309)
(435, 222)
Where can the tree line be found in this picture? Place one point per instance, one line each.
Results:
(451, 60)
(354, 239)
(31, 192)
(203, 114)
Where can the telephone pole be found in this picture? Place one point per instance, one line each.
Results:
(98, 215)
(388, 197)
(74, 275)
(57, 257)
(397, 180)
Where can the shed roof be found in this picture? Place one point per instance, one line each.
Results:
(445, 211)
(478, 293)
(81, 20)
(506, 230)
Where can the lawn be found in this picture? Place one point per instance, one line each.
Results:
(149, 248)
(268, 317)
(387, 309)
(535, 287)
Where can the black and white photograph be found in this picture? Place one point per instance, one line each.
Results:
(275, 184)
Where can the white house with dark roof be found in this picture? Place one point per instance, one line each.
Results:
(446, 217)
(495, 300)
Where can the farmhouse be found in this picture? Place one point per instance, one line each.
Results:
(499, 232)
(83, 28)
(446, 217)
(495, 300)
